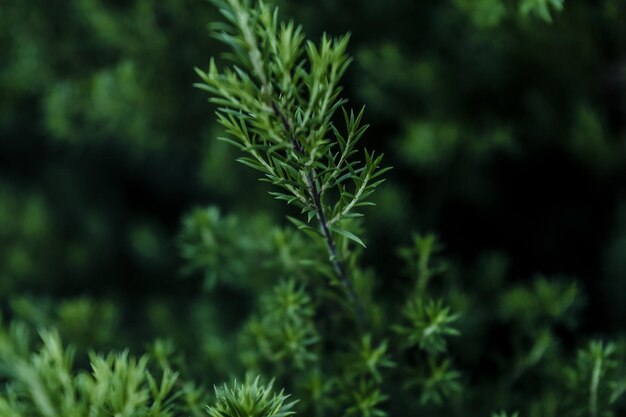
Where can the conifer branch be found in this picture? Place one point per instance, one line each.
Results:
(277, 104)
(316, 196)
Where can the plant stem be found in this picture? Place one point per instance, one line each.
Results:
(338, 264)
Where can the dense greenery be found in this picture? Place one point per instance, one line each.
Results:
(503, 120)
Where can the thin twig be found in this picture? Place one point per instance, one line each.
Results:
(338, 264)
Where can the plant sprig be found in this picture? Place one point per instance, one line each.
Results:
(277, 104)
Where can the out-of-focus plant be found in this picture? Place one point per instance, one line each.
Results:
(229, 250)
(46, 384)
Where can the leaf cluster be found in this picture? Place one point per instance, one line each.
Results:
(428, 323)
(277, 105)
(45, 383)
(596, 381)
(230, 249)
(250, 399)
(285, 331)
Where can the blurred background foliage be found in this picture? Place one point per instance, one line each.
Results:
(505, 122)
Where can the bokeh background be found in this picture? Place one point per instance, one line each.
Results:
(506, 131)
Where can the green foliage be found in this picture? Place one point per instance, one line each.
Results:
(490, 115)
(45, 383)
(277, 105)
(428, 325)
(250, 399)
(284, 330)
(89, 323)
(545, 302)
(209, 242)
(279, 109)
(366, 400)
(484, 13)
(372, 359)
(230, 250)
(489, 13)
(25, 223)
(541, 8)
(432, 145)
(596, 381)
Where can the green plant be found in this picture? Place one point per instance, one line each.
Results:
(278, 104)
(45, 383)
(311, 308)
(250, 399)
(541, 8)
